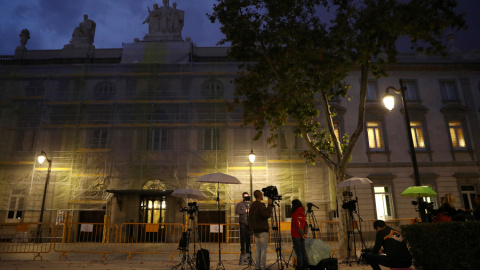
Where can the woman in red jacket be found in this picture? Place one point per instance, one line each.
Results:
(299, 231)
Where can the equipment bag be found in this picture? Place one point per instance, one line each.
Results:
(203, 259)
(442, 217)
(328, 264)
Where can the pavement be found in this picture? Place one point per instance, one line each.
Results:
(50, 261)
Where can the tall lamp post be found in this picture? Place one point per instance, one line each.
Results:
(41, 158)
(389, 102)
(251, 157)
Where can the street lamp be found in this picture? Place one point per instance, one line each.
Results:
(251, 157)
(389, 102)
(41, 158)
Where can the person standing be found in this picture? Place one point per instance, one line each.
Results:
(394, 247)
(299, 230)
(242, 210)
(259, 215)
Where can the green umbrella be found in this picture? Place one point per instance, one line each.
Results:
(418, 191)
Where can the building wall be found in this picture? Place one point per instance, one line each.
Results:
(93, 121)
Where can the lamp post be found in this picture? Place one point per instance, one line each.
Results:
(251, 157)
(41, 158)
(389, 101)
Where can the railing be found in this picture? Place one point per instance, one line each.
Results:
(35, 238)
(162, 238)
(94, 238)
(141, 238)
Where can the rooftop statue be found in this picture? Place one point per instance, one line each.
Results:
(83, 35)
(24, 37)
(164, 23)
(85, 29)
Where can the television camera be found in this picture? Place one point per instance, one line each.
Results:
(309, 207)
(271, 192)
(424, 205)
(191, 208)
(349, 204)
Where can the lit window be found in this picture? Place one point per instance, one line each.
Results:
(336, 130)
(457, 134)
(417, 134)
(468, 196)
(374, 133)
(383, 202)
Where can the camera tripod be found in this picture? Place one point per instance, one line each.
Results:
(312, 220)
(251, 262)
(187, 261)
(352, 224)
(277, 234)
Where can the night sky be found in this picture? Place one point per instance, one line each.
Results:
(51, 22)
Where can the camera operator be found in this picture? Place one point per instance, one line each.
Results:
(242, 211)
(259, 215)
(395, 248)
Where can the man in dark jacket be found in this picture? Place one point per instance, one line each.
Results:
(259, 215)
(395, 248)
(242, 211)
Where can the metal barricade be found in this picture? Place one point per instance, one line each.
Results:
(150, 238)
(35, 238)
(94, 238)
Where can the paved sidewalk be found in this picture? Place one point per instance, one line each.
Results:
(119, 262)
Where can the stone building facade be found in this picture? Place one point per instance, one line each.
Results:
(125, 127)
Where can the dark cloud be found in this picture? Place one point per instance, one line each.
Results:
(51, 22)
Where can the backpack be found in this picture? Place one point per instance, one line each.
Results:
(203, 259)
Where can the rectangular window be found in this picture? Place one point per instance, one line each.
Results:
(156, 139)
(374, 133)
(99, 138)
(16, 206)
(417, 135)
(211, 138)
(411, 90)
(371, 90)
(449, 91)
(457, 134)
(468, 196)
(383, 203)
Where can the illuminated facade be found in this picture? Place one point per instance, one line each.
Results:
(125, 127)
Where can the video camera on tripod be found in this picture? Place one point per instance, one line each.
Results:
(271, 192)
(191, 208)
(348, 204)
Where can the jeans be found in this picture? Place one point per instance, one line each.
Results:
(244, 238)
(261, 244)
(302, 258)
(375, 260)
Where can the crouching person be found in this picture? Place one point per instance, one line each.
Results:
(394, 247)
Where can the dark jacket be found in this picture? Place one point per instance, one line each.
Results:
(393, 245)
(241, 211)
(259, 215)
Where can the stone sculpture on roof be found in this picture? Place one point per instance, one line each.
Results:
(83, 35)
(164, 23)
(24, 37)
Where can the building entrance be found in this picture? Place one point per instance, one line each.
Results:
(152, 212)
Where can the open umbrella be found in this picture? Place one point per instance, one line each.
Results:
(354, 181)
(219, 178)
(418, 191)
(189, 193)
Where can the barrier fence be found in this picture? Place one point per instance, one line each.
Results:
(163, 238)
